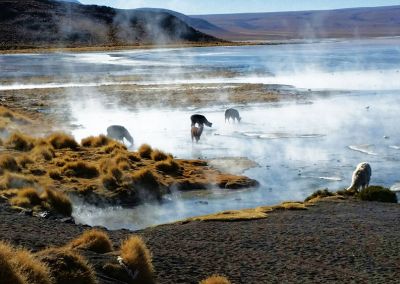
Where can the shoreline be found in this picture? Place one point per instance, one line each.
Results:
(331, 241)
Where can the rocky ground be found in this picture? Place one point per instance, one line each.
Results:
(333, 241)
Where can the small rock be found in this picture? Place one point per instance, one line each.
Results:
(67, 220)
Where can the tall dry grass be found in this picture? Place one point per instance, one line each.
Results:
(96, 141)
(20, 142)
(145, 151)
(61, 140)
(137, 257)
(215, 279)
(93, 240)
(57, 201)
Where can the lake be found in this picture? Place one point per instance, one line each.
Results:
(299, 146)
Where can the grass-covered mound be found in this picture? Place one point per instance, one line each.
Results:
(67, 266)
(98, 169)
(378, 193)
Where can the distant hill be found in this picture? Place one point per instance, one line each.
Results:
(47, 23)
(342, 23)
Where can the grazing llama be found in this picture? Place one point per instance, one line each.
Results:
(200, 120)
(119, 132)
(232, 113)
(361, 177)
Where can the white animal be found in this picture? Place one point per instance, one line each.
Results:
(361, 176)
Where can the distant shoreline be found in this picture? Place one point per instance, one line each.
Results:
(255, 42)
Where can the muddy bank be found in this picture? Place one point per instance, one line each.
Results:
(332, 241)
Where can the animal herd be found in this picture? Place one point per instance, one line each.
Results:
(361, 175)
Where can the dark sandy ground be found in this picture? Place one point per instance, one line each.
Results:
(332, 242)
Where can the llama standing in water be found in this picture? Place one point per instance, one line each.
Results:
(119, 132)
(196, 132)
(232, 113)
(200, 120)
(361, 177)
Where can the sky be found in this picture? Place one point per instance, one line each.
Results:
(197, 7)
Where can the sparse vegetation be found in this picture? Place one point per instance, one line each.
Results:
(113, 146)
(93, 240)
(145, 178)
(319, 194)
(67, 266)
(378, 193)
(137, 256)
(62, 141)
(9, 273)
(169, 166)
(215, 279)
(80, 170)
(96, 141)
(57, 201)
(145, 151)
(20, 142)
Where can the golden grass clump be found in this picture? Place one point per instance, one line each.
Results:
(12, 180)
(27, 198)
(134, 157)
(20, 266)
(12, 116)
(44, 151)
(8, 163)
(145, 151)
(168, 166)
(57, 201)
(113, 146)
(158, 155)
(145, 178)
(96, 141)
(215, 279)
(20, 142)
(80, 170)
(322, 193)
(24, 160)
(67, 266)
(8, 272)
(378, 193)
(93, 240)
(55, 174)
(62, 141)
(137, 256)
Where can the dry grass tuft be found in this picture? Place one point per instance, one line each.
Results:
(80, 170)
(24, 160)
(57, 201)
(145, 178)
(26, 198)
(157, 155)
(216, 279)
(93, 240)
(20, 266)
(96, 141)
(62, 141)
(55, 174)
(319, 194)
(112, 147)
(12, 180)
(137, 257)
(20, 142)
(9, 273)
(8, 163)
(67, 266)
(169, 167)
(44, 151)
(291, 206)
(145, 151)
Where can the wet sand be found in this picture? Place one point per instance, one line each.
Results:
(334, 241)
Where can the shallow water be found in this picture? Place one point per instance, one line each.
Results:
(300, 147)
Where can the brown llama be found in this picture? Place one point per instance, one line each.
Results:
(196, 132)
